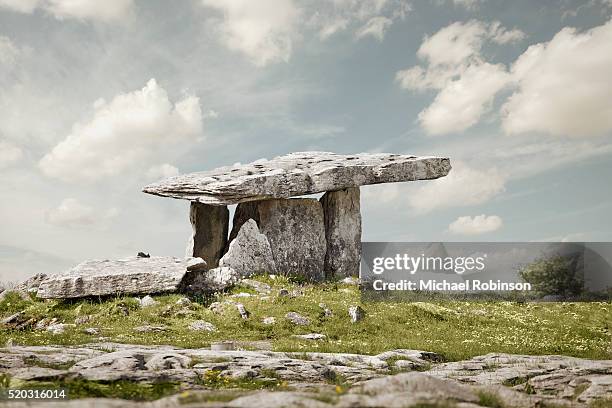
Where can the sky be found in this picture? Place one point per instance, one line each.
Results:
(98, 99)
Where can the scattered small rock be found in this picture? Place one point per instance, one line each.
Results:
(183, 301)
(268, 320)
(350, 280)
(242, 310)
(93, 331)
(216, 307)
(83, 319)
(58, 328)
(201, 325)
(149, 329)
(356, 313)
(242, 294)
(310, 336)
(13, 319)
(297, 318)
(44, 323)
(326, 311)
(259, 287)
(147, 301)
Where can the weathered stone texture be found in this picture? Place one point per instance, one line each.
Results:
(249, 252)
(295, 230)
(113, 277)
(342, 232)
(297, 174)
(210, 225)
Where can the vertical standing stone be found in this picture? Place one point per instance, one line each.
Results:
(210, 225)
(342, 232)
(295, 230)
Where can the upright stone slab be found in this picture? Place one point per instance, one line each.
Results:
(210, 225)
(296, 232)
(342, 232)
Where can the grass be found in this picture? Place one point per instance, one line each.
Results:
(455, 329)
(79, 388)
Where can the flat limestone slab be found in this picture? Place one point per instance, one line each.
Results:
(297, 174)
(111, 277)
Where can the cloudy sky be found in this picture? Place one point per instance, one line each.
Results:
(98, 98)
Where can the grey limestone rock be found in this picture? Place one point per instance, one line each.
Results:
(342, 214)
(356, 313)
(210, 225)
(297, 174)
(295, 230)
(112, 277)
(297, 319)
(213, 280)
(249, 252)
(201, 325)
(147, 301)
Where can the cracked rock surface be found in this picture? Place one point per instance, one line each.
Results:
(397, 378)
(297, 174)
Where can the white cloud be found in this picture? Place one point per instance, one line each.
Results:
(263, 30)
(9, 154)
(454, 44)
(162, 171)
(375, 27)
(463, 186)
(126, 133)
(564, 86)
(502, 35)
(480, 224)
(462, 102)
(21, 6)
(466, 83)
(72, 213)
(468, 4)
(8, 52)
(363, 17)
(107, 10)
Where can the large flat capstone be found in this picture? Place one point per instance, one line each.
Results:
(298, 174)
(127, 276)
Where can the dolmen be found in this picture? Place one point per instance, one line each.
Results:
(274, 230)
(277, 230)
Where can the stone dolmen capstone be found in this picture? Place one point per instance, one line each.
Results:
(310, 238)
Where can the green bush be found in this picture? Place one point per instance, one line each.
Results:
(557, 275)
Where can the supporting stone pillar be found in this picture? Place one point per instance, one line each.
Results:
(296, 232)
(342, 232)
(210, 225)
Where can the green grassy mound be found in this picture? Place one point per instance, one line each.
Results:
(455, 329)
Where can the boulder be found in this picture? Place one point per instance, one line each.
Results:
(297, 319)
(147, 301)
(297, 174)
(113, 277)
(249, 253)
(356, 313)
(213, 280)
(26, 287)
(342, 215)
(295, 230)
(210, 225)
